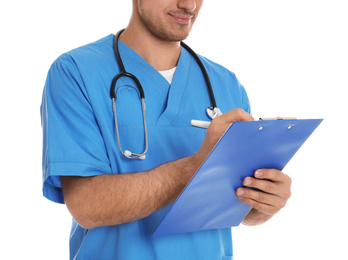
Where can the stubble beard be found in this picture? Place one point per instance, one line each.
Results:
(163, 32)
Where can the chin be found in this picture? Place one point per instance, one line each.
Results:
(174, 35)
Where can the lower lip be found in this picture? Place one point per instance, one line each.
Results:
(180, 19)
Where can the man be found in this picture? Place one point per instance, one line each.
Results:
(117, 203)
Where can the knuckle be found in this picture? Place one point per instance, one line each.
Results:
(254, 204)
(289, 181)
(241, 114)
(274, 210)
(238, 111)
(261, 197)
(282, 204)
(268, 187)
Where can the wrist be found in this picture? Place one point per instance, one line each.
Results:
(255, 218)
(187, 167)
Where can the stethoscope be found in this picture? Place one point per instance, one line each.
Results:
(212, 111)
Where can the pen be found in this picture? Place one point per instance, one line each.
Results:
(205, 124)
(200, 123)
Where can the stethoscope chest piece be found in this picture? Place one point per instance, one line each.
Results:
(213, 112)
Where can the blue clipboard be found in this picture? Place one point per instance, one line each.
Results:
(209, 201)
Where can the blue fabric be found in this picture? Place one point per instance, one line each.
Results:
(80, 140)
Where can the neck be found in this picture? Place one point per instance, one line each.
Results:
(160, 54)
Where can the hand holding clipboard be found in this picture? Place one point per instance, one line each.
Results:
(209, 200)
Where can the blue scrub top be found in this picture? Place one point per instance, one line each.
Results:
(79, 139)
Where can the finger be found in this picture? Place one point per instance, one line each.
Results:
(263, 185)
(272, 175)
(234, 116)
(261, 200)
(261, 197)
(271, 181)
(265, 208)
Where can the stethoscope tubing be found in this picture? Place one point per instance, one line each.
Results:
(204, 72)
(212, 111)
(130, 75)
(142, 94)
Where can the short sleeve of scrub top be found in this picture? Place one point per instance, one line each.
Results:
(72, 141)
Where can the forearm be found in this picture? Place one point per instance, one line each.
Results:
(120, 198)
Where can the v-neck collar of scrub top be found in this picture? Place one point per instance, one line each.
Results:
(156, 87)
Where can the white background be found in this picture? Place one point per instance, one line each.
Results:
(291, 56)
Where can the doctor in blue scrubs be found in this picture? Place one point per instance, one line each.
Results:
(116, 202)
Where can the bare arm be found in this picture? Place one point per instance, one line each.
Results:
(120, 198)
(106, 200)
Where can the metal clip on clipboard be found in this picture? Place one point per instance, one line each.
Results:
(277, 118)
(206, 124)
